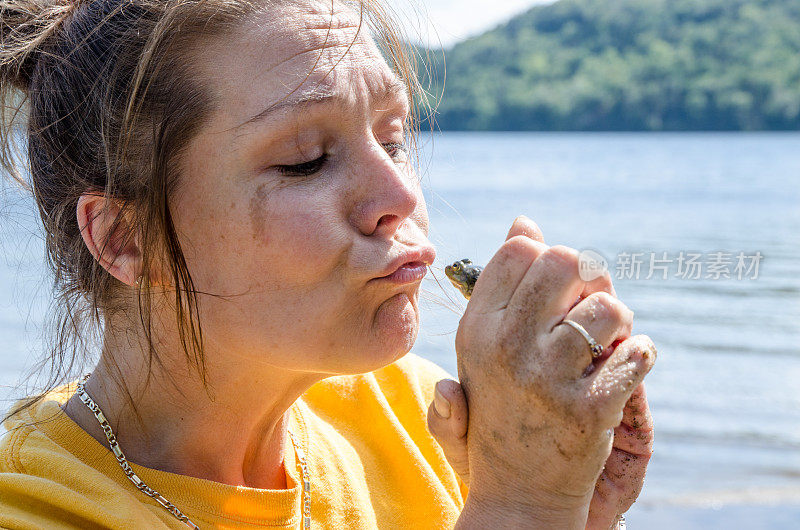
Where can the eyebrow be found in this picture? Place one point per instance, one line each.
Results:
(318, 96)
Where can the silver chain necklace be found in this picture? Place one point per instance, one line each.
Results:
(147, 490)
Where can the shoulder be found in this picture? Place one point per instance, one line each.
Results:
(10, 445)
(31, 480)
(45, 485)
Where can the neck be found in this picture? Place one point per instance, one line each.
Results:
(234, 431)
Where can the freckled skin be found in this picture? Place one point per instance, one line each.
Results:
(257, 217)
(293, 272)
(463, 274)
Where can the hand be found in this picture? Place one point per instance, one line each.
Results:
(621, 480)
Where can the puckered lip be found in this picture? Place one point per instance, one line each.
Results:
(415, 256)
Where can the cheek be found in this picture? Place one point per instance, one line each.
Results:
(269, 238)
(257, 215)
(295, 232)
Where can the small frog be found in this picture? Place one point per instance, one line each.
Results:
(463, 274)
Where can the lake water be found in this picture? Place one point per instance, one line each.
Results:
(725, 392)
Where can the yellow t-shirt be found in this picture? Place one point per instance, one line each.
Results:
(372, 462)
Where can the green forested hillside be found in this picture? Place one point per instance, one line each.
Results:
(628, 65)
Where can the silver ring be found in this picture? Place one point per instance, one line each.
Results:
(594, 347)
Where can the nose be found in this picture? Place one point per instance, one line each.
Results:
(388, 192)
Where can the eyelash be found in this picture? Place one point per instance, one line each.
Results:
(312, 166)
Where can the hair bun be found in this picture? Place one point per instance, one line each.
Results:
(25, 28)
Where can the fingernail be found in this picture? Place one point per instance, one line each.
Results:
(441, 405)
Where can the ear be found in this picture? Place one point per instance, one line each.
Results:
(108, 236)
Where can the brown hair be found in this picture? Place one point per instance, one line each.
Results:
(100, 96)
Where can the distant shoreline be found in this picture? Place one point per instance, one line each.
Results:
(582, 65)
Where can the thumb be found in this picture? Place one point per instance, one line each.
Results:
(448, 419)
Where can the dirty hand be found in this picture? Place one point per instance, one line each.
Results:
(622, 473)
(622, 478)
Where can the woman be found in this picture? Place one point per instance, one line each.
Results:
(227, 194)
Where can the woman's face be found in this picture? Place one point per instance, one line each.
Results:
(297, 204)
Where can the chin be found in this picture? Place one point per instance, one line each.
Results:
(397, 324)
(394, 331)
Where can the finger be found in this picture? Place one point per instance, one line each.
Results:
(449, 427)
(636, 413)
(503, 274)
(622, 478)
(549, 288)
(604, 317)
(626, 472)
(612, 384)
(523, 226)
(633, 441)
(604, 506)
(635, 434)
(601, 284)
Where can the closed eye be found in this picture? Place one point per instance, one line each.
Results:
(397, 151)
(304, 169)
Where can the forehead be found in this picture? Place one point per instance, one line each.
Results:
(290, 51)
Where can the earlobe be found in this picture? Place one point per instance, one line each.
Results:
(109, 236)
